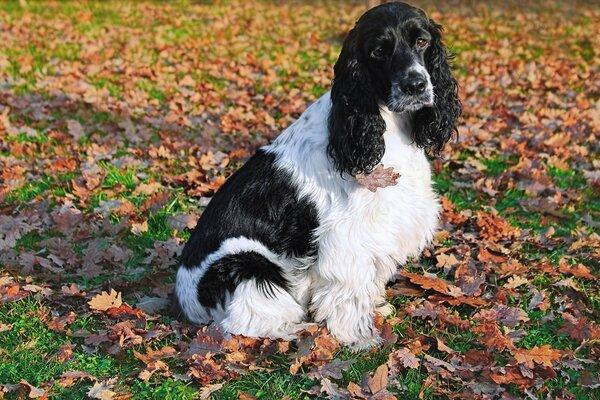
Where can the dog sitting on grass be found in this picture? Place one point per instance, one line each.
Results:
(295, 235)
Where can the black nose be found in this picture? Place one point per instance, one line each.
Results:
(414, 86)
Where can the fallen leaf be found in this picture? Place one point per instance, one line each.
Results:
(68, 378)
(543, 355)
(34, 392)
(432, 282)
(379, 380)
(405, 357)
(206, 391)
(137, 228)
(101, 390)
(104, 301)
(577, 270)
(380, 177)
(515, 281)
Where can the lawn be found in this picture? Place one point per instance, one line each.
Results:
(119, 120)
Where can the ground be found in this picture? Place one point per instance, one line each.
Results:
(119, 120)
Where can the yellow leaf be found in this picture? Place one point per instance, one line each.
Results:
(137, 228)
(515, 282)
(104, 301)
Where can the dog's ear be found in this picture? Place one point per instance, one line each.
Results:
(356, 127)
(434, 126)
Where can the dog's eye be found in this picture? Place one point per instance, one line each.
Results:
(377, 53)
(421, 42)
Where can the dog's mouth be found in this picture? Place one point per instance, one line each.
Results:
(400, 102)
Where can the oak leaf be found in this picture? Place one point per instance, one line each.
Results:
(380, 177)
(405, 357)
(543, 355)
(577, 270)
(68, 378)
(379, 380)
(515, 281)
(34, 392)
(104, 301)
(432, 282)
(101, 390)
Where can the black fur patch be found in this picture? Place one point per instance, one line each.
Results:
(227, 273)
(258, 202)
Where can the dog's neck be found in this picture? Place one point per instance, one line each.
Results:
(397, 123)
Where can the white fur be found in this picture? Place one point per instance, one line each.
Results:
(407, 103)
(251, 312)
(362, 235)
(188, 279)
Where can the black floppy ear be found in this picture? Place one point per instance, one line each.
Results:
(356, 128)
(434, 126)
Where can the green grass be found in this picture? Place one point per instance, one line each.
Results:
(496, 165)
(28, 352)
(267, 385)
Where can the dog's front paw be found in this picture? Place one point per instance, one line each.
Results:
(365, 343)
(359, 336)
(385, 309)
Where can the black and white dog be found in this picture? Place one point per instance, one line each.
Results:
(292, 235)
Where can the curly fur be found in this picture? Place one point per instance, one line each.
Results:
(433, 126)
(356, 128)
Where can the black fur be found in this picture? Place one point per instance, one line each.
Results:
(434, 126)
(355, 126)
(363, 80)
(258, 202)
(222, 277)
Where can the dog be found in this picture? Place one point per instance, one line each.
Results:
(293, 236)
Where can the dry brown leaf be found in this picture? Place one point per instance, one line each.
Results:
(380, 177)
(405, 357)
(493, 338)
(34, 392)
(183, 221)
(511, 376)
(68, 378)
(58, 324)
(148, 188)
(543, 355)
(137, 228)
(515, 281)
(379, 380)
(577, 270)
(446, 260)
(495, 228)
(433, 283)
(64, 352)
(207, 390)
(104, 301)
(101, 390)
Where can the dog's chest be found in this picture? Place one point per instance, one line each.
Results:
(399, 220)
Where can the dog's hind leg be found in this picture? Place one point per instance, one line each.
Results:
(257, 311)
(250, 293)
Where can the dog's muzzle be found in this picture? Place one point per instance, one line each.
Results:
(412, 92)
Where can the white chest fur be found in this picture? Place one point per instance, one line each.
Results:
(395, 221)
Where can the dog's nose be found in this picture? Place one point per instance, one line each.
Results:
(414, 86)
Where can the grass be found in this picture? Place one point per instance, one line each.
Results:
(29, 351)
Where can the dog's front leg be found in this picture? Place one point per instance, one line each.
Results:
(345, 294)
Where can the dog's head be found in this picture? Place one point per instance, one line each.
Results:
(393, 57)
